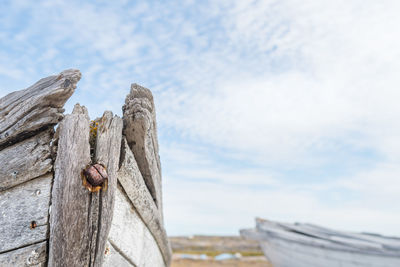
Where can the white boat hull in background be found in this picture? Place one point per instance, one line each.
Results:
(284, 254)
(304, 245)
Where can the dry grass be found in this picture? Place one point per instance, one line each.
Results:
(213, 253)
(254, 262)
(212, 246)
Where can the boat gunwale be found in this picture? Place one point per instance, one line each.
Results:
(313, 241)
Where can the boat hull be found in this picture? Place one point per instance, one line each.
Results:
(307, 245)
(289, 254)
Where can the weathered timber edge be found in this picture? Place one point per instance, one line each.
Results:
(70, 218)
(108, 145)
(26, 132)
(23, 113)
(59, 222)
(135, 189)
(140, 129)
(33, 160)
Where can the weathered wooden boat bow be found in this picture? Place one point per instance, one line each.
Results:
(88, 194)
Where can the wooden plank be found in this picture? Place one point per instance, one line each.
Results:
(127, 229)
(32, 256)
(151, 255)
(130, 235)
(24, 213)
(140, 129)
(136, 190)
(26, 160)
(69, 219)
(108, 146)
(113, 258)
(81, 220)
(23, 113)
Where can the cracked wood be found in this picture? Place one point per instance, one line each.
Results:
(69, 220)
(130, 236)
(26, 160)
(23, 113)
(20, 206)
(133, 184)
(80, 220)
(140, 129)
(30, 256)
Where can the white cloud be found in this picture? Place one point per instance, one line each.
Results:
(345, 82)
(223, 209)
(337, 90)
(381, 183)
(245, 91)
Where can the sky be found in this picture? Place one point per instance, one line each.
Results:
(286, 110)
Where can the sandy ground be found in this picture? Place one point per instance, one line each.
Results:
(212, 246)
(248, 262)
(200, 243)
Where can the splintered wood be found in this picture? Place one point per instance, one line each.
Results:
(27, 118)
(48, 216)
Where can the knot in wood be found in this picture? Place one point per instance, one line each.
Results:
(95, 177)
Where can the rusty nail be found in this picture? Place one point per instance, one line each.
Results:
(95, 177)
(33, 225)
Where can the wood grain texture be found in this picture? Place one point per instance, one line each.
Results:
(26, 160)
(19, 207)
(108, 145)
(69, 218)
(112, 257)
(140, 129)
(32, 256)
(136, 190)
(23, 113)
(130, 236)
(80, 220)
(151, 255)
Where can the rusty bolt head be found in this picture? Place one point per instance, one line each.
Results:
(33, 225)
(94, 177)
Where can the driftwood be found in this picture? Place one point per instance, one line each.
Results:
(48, 217)
(25, 112)
(140, 129)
